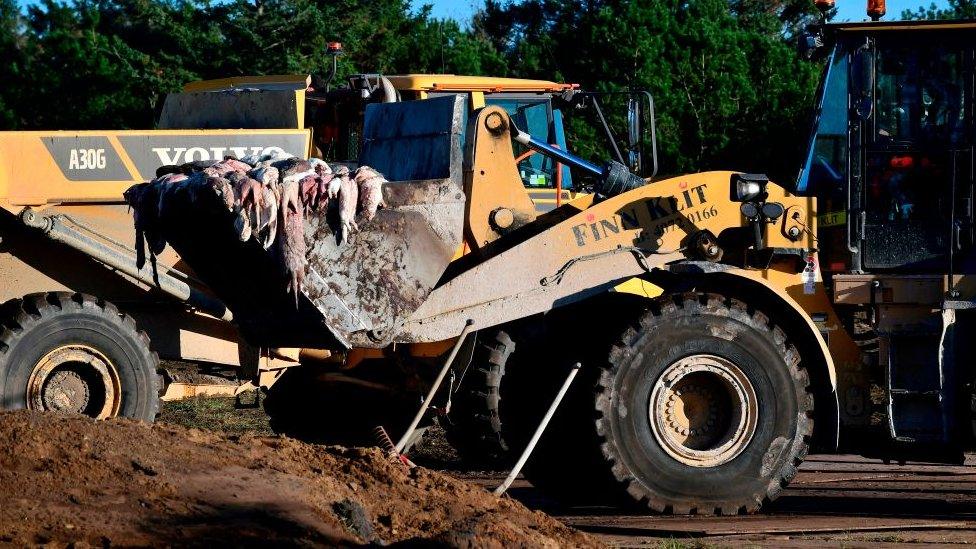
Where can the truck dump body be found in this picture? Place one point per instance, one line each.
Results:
(76, 174)
(38, 168)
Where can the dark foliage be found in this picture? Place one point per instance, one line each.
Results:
(731, 90)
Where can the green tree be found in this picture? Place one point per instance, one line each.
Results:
(380, 36)
(731, 90)
(13, 62)
(98, 63)
(107, 63)
(958, 9)
(787, 17)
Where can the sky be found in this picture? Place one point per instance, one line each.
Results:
(849, 10)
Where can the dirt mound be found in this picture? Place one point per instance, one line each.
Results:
(67, 479)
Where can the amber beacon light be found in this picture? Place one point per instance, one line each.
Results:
(824, 5)
(877, 9)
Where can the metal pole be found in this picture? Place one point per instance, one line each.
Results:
(433, 389)
(538, 431)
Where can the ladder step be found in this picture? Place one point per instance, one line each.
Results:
(912, 392)
(914, 382)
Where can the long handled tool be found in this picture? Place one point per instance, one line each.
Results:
(538, 431)
(433, 388)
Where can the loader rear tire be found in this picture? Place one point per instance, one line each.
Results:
(474, 426)
(503, 395)
(703, 408)
(74, 353)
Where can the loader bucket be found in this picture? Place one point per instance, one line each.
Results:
(360, 292)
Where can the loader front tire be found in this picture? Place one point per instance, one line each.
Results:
(704, 408)
(73, 353)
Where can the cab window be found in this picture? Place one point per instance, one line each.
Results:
(921, 96)
(534, 114)
(825, 170)
(913, 176)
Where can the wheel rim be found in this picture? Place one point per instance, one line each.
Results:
(75, 378)
(703, 410)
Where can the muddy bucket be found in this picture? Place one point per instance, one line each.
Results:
(357, 293)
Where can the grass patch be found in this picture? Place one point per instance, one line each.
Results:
(216, 414)
(888, 538)
(673, 543)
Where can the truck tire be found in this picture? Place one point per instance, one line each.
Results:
(474, 426)
(73, 353)
(704, 408)
(302, 406)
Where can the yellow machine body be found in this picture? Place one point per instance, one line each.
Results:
(82, 175)
(588, 244)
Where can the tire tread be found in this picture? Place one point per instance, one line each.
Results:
(623, 352)
(22, 314)
(476, 430)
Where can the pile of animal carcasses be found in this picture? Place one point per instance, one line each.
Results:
(268, 198)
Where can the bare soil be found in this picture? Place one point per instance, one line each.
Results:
(67, 479)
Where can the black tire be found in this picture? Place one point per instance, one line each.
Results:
(516, 369)
(567, 464)
(693, 325)
(41, 324)
(474, 426)
(520, 368)
(304, 406)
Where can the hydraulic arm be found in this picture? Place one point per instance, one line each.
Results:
(613, 178)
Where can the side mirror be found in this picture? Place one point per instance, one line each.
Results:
(634, 135)
(631, 148)
(641, 122)
(811, 45)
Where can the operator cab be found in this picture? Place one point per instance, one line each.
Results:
(891, 164)
(529, 103)
(546, 110)
(891, 157)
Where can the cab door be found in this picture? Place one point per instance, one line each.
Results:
(916, 190)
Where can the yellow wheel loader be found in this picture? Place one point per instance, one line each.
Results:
(726, 325)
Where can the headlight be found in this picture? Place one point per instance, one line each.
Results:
(749, 210)
(747, 190)
(748, 187)
(772, 210)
